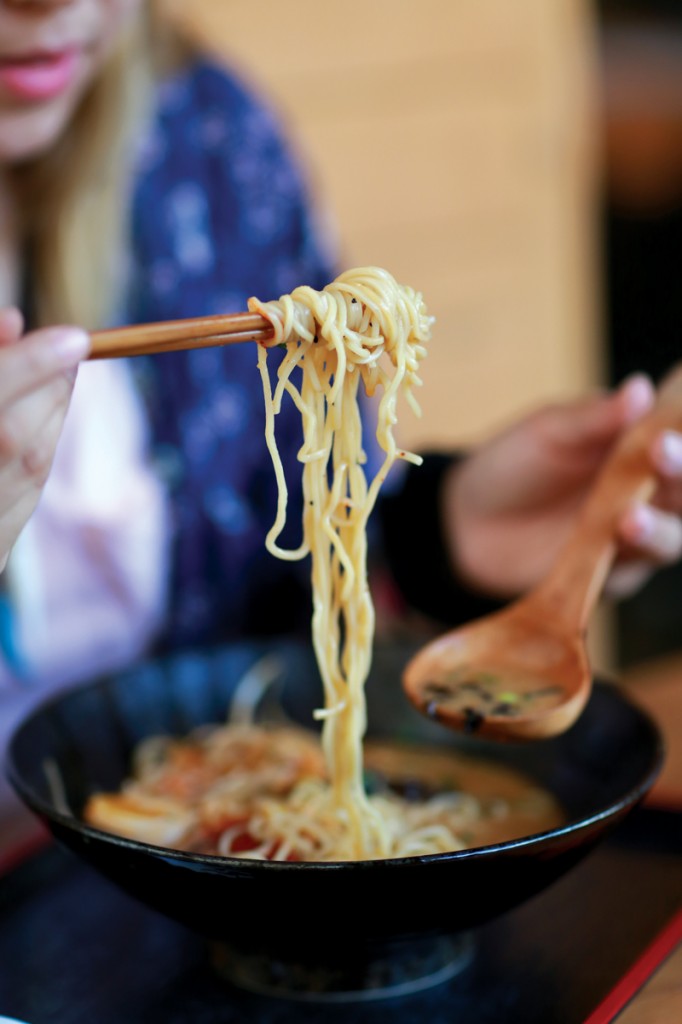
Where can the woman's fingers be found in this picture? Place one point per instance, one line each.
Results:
(36, 358)
(21, 481)
(36, 422)
(11, 325)
(36, 378)
(653, 533)
(666, 453)
(22, 423)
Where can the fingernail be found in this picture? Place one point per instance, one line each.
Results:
(639, 395)
(671, 451)
(642, 524)
(70, 345)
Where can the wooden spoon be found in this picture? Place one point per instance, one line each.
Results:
(523, 673)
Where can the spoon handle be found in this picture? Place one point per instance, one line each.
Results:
(571, 589)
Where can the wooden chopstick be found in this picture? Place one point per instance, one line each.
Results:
(172, 335)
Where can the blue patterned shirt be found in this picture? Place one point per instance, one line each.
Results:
(220, 212)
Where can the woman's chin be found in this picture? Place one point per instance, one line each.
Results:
(29, 133)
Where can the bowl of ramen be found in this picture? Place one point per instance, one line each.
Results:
(140, 775)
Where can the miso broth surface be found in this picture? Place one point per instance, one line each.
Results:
(512, 805)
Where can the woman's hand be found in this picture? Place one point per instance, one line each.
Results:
(37, 373)
(512, 503)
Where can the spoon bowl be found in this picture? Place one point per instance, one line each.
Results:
(524, 673)
(508, 675)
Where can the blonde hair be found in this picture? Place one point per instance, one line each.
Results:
(73, 199)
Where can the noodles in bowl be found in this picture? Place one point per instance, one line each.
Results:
(260, 792)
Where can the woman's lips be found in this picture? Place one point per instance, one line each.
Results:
(39, 76)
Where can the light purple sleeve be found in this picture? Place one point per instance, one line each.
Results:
(88, 577)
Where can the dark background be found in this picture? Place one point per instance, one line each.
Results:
(641, 233)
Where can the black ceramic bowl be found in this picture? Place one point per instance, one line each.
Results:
(330, 918)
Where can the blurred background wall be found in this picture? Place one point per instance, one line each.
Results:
(451, 139)
(520, 163)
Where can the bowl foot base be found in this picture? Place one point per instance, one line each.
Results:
(383, 971)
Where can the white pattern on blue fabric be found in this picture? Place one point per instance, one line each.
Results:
(189, 221)
(228, 509)
(229, 411)
(200, 438)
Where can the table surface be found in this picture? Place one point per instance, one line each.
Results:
(74, 949)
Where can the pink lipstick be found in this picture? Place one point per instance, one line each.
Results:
(39, 76)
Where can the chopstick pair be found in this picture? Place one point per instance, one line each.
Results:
(173, 335)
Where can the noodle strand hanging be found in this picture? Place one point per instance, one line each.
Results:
(363, 328)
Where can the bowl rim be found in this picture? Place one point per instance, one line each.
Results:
(612, 810)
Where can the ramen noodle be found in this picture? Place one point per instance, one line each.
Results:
(362, 330)
(261, 792)
(255, 792)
